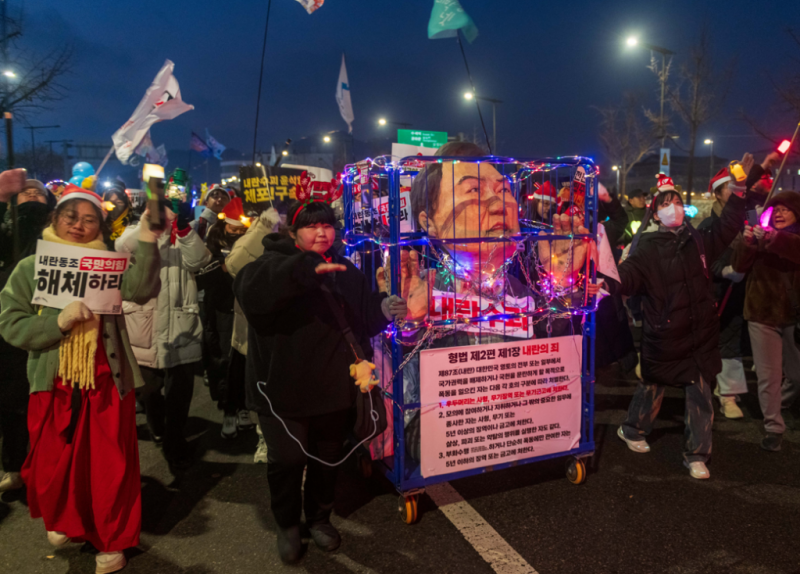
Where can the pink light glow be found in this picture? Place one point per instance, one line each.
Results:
(765, 217)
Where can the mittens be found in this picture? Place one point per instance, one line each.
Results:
(362, 373)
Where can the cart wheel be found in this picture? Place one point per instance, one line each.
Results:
(407, 506)
(576, 471)
(365, 465)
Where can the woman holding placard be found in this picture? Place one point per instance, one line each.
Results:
(82, 472)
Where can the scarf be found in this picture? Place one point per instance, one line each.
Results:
(119, 224)
(76, 352)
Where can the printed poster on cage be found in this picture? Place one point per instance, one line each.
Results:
(65, 273)
(380, 212)
(485, 405)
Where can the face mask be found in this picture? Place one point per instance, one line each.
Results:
(230, 238)
(671, 216)
(33, 213)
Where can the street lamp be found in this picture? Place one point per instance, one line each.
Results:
(616, 168)
(632, 42)
(326, 139)
(384, 121)
(284, 153)
(710, 142)
(494, 102)
(9, 74)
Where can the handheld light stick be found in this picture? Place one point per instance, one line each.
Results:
(784, 150)
(765, 217)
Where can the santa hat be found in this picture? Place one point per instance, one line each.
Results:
(665, 183)
(74, 192)
(233, 213)
(722, 177)
(545, 192)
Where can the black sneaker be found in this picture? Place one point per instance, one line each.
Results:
(290, 547)
(772, 442)
(325, 536)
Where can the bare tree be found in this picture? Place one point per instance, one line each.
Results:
(625, 135)
(31, 81)
(787, 94)
(698, 93)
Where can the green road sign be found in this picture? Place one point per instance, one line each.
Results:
(420, 138)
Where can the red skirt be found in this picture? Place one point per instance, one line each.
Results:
(89, 489)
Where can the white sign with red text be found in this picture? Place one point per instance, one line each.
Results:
(445, 305)
(65, 273)
(489, 404)
(380, 211)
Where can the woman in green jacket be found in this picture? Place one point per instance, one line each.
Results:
(82, 472)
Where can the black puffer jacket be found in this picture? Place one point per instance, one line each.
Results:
(680, 338)
(295, 344)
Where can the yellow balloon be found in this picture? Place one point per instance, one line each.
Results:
(89, 182)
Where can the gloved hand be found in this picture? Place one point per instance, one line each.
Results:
(11, 183)
(731, 275)
(362, 373)
(184, 215)
(393, 307)
(75, 312)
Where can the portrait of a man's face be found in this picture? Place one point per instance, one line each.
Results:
(474, 201)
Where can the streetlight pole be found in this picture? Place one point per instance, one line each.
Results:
(494, 102)
(710, 142)
(662, 77)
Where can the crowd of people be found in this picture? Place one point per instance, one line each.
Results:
(254, 302)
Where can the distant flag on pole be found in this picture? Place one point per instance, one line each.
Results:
(198, 145)
(162, 101)
(215, 147)
(447, 18)
(343, 98)
(273, 157)
(311, 5)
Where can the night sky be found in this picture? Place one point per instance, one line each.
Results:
(549, 63)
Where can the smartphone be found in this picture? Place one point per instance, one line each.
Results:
(752, 217)
(155, 200)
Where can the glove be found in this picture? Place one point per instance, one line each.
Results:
(75, 312)
(394, 306)
(184, 215)
(731, 275)
(362, 373)
(11, 183)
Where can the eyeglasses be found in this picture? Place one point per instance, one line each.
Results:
(71, 218)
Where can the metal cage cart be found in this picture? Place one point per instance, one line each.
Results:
(385, 203)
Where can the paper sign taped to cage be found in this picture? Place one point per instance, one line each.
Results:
(380, 212)
(65, 273)
(485, 405)
(445, 305)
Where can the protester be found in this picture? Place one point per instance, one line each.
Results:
(635, 209)
(226, 375)
(729, 292)
(247, 249)
(216, 200)
(35, 205)
(121, 213)
(300, 359)
(166, 335)
(680, 340)
(771, 257)
(82, 473)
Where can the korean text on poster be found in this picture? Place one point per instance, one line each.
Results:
(274, 189)
(445, 305)
(489, 404)
(380, 212)
(65, 273)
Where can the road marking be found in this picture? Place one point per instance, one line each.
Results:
(484, 539)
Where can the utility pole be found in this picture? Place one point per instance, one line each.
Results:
(33, 143)
(65, 144)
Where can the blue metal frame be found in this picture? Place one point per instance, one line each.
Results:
(397, 471)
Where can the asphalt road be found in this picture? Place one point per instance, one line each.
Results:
(635, 513)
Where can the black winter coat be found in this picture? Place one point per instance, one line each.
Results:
(680, 336)
(295, 344)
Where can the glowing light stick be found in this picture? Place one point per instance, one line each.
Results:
(765, 217)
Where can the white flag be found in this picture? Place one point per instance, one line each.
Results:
(343, 98)
(162, 101)
(311, 5)
(215, 147)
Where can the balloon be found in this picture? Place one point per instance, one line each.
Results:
(82, 168)
(76, 180)
(88, 182)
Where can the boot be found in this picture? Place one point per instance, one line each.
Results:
(290, 547)
(325, 535)
(772, 442)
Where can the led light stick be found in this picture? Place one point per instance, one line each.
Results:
(783, 148)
